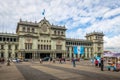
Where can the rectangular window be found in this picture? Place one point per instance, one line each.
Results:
(2, 55)
(16, 55)
(15, 39)
(38, 46)
(0, 38)
(2, 46)
(28, 46)
(16, 47)
(41, 47)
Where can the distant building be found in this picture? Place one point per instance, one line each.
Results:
(38, 40)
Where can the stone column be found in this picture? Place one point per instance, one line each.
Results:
(34, 55)
(74, 55)
(6, 51)
(86, 53)
(0, 54)
(78, 55)
(65, 54)
(89, 53)
(54, 55)
(70, 52)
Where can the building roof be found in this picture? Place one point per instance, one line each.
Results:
(79, 40)
(8, 34)
(35, 24)
(95, 33)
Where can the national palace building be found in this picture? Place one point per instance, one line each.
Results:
(34, 40)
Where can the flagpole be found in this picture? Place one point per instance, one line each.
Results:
(43, 13)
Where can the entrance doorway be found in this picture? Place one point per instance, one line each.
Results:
(59, 55)
(28, 55)
(42, 55)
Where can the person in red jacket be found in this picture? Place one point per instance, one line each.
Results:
(96, 63)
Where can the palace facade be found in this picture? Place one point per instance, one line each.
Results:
(38, 40)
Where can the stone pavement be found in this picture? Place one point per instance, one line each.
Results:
(87, 67)
(54, 69)
(10, 72)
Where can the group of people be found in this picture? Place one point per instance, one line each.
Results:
(99, 63)
(2, 60)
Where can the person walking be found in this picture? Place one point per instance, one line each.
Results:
(40, 61)
(102, 64)
(73, 61)
(96, 63)
(53, 60)
(60, 60)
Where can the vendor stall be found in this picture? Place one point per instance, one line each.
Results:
(113, 61)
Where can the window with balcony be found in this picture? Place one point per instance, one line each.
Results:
(62, 33)
(28, 29)
(23, 29)
(33, 30)
(55, 32)
(58, 32)
(28, 46)
(58, 47)
(0, 38)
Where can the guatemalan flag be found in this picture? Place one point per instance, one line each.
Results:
(78, 49)
(43, 13)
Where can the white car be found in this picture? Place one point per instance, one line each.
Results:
(16, 60)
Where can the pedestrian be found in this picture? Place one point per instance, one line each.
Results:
(8, 62)
(96, 63)
(40, 61)
(73, 61)
(99, 61)
(0, 60)
(60, 60)
(64, 60)
(102, 64)
(54, 60)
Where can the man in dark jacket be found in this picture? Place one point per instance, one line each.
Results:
(102, 64)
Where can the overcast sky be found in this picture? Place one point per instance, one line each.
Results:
(79, 16)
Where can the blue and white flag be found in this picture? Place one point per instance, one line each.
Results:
(43, 13)
(78, 50)
(75, 50)
(82, 49)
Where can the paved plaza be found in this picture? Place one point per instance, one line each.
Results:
(84, 70)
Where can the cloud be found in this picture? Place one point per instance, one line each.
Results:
(79, 16)
(112, 12)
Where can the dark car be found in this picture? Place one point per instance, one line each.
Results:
(46, 59)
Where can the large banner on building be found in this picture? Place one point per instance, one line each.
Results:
(78, 49)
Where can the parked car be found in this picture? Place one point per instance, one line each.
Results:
(16, 60)
(46, 59)
(25, 60)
